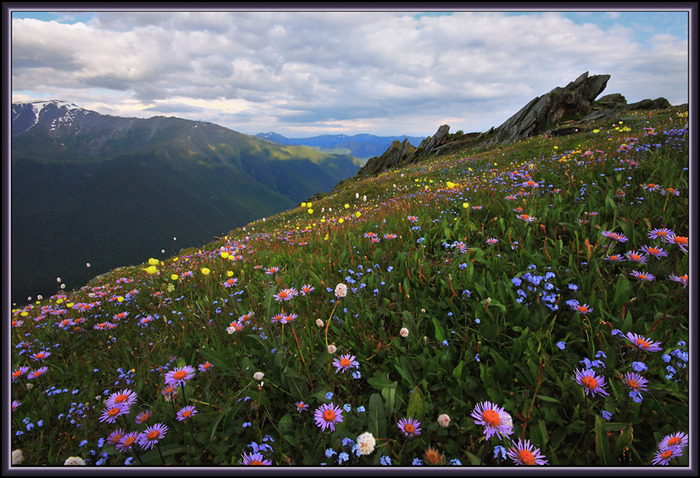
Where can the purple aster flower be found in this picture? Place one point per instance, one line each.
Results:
(635, 382)
(19, 372)
(204, 367)
(345, 362)
(660, 233)
(494, 418)
(127, 441)
(110, 413)
(524, 453)
(635, 256)
(643, 343)
(152, 435)
(645, 276)
(675, 440)
(682, 279)
(327, 415)
(617, 236)
(680, 241)
(581, 309)
(179, 376)
(590, 382)
(409, 426)
(663, 457)
(40, 356)
(301, 406)
(186, 412)
(126, 397)
(37, 373)
(252, 459)
(657, 252)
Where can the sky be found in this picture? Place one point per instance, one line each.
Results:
(303, 73)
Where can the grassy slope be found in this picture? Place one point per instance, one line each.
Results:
(474, 334)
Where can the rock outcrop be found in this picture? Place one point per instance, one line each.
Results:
(541, 112)
(398, 153)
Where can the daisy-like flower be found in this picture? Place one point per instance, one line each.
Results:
(306, 289)
(670, 192)
(271, 270)
(301, 406)
(580, 308)
(127, 441)
(74, 461)
(617, 236)
(390, 236)
(412, 218)
(432, 456)
(525, 217)
(186, 412)
(635, 256)
(40, 356)
(152, 435)
(646, 276)
(230, 282)
(115, 436)
(345, 363)
(682, 279)
(22, 370)
(341, 290)
(246, 317)
(590, 382)
(37, 373)
(258, 376)
(111, 413)
(680, 241)
(289, 318)
(524, 453)
(403, 332)
(15, 404)
(675, 440)
(635, 382)
(409, 426)
(529, 184)
(204, 367)
(491, 240)
(660, 233)
(494, 418)
(650, 187)
(179, 376)
(366, 443)
(143, 417)
(657, 252)
(327, 415)
(663, 457)
(124, 397)
(285, 295)
(255, 459)
(643, 343)
(168, 390)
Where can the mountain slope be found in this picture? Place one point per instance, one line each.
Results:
(362, 146)
(110, 191)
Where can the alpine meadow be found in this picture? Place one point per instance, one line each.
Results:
(485, 306)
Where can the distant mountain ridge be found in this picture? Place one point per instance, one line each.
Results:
(110, 191)
(362, 146)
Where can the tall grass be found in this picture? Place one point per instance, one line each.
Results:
(455, 297)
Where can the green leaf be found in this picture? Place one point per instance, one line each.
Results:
(457, 372)
(416, 405)
(295, 382)
(285, 424)
(624, 439)
(267, 302)
(439, 331)
(601, 441)
(376, 424)
(548, 399)
(217, 359)
(389, 394)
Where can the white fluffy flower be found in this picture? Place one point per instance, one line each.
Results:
(332, 348)
(74, 461)
(403, 332)
(444, 420)
(258, 376)
(319, 323)
(341, 290)
(17, 457)
(366, 443)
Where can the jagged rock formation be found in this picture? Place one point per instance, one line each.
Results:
(541, 112)
(398, 153)
(431, 144)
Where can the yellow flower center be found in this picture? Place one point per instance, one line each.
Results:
(641, 342)
(329, 415)
(582, 308)
(491, 417)
(589, 382)
(129, 441)
(113, 411)
(186, 413)
(120, 398)
(153, 435)
(526, 457)
(345, 362)
(674, 441)
(633, 383)
(666, 453)
(408, 428)
(179, 375)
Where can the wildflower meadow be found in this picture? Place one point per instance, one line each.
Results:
(526, 304)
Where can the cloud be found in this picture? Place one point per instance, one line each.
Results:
(309, 71)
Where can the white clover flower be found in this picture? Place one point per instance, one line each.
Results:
(258, 376)
(366, 443)
(443, 420)
(17, 457)
(39, 297)
(58, 279)
(74, 461)
(403, 332)
(332, 348)
(319, 323)
(341, 290)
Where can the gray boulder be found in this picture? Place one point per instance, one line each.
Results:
(398, 153)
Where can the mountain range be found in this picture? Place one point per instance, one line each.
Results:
(361, 146)
(108, 191)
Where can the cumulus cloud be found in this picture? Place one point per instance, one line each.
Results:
(299, 72)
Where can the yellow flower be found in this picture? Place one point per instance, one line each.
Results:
(450, 184)
(151, 269)
(311, 211)
(229, 273)
(596, 131)
(465, 205)
(153, 262)
(303, 204)
(357, 214)
(224, 255)
(173, 277)
(308, 204)
(205, 271)
(59, 301)
(24, 313)
(176, 259)
(341, 220)
(69, 304)
(326, 237)
(347, 206)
